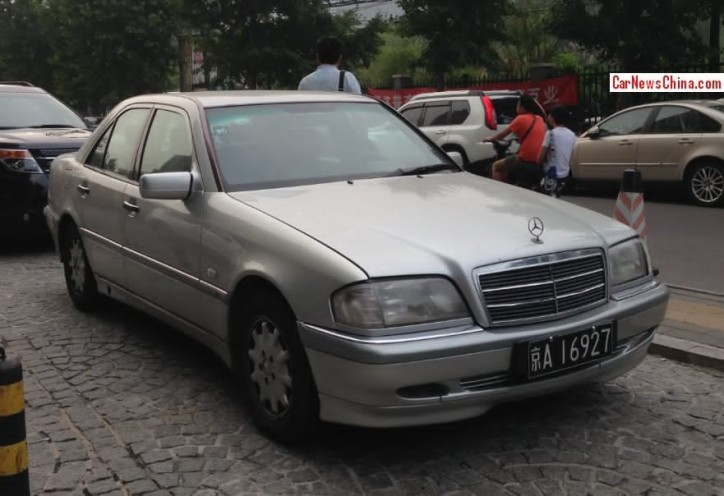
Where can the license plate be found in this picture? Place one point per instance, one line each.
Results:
(558, 353)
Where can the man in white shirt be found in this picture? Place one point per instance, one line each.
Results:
(556, 152)
(328, 77)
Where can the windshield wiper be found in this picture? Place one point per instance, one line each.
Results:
(424, 169)
(49, 126)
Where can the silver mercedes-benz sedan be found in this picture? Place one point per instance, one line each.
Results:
(344, 266)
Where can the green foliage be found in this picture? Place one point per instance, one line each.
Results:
(110, 50)
(24, 51)
(459, 32)
(271, 43)
(527, 40)
(397, 55)
(638, 34)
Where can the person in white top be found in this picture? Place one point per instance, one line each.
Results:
(555, 155)
(328, 76)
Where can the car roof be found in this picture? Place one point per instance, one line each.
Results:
(463, 94)
(19, 87)
(211, 99)
(699, 102)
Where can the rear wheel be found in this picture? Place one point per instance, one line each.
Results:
(705, 184)
(277, 379)
(79, 278)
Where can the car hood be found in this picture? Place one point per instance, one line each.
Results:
(45, 138)
(437, 223)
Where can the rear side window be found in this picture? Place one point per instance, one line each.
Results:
(505, 109)
(412, 114)
(459, 111)
(116, 150)
(708, 125)
(436, 115)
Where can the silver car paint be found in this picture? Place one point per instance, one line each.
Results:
(310, 241)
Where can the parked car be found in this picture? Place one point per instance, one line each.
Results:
(677, 142)
(341, 263)
(35, 127)
(461, 120)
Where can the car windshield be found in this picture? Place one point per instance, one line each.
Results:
(275, 145)
(41, 110)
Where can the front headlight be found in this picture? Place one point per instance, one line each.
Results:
(18, 160)
(628, 261)
(398, 302)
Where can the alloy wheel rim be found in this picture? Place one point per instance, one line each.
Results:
(269, 367)
(708, 184)
(77, 265)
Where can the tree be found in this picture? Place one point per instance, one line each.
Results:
(458, 32)
(108, 51)
(528, 41)
(640, 35)
(271, 43)
(397, 55)
(24, 54)
(714, 58)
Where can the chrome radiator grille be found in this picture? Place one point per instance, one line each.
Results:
(543, 287)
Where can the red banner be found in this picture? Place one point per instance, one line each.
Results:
(552, 92)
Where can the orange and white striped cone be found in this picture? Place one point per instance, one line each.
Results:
(629, 207)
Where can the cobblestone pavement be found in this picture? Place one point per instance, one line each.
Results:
(118, 404)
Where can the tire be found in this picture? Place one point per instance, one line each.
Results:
(79, 278)
(277, 381)
(705, 184)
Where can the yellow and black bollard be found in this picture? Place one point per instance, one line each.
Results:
(14, 479)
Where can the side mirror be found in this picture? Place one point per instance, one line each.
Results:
(166, 185)
(456, 157)
(593, 133)
(91, 122)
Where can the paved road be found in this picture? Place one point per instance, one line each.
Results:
(686, 242)
(118, 404)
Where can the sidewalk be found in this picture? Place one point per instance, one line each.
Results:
(693, 330)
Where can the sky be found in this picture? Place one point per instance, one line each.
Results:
(367, 10)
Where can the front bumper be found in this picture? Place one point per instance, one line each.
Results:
(464, 372)
(22, 198)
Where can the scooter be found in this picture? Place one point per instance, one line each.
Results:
(525, 180)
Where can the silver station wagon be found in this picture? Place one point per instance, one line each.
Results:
(344, 266)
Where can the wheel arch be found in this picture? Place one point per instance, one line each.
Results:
(65, 221)
(699, 160)
(243, 290)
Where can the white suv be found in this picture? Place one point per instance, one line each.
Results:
(460, 120)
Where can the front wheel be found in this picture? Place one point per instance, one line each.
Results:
(277, 379)
(705, 184)
(79, 278)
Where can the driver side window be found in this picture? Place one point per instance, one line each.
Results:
(631, 122)
(168, 146)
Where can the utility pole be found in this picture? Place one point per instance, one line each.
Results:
(185, 46)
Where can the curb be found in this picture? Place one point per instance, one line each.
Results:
(694, 291)
(687, 351)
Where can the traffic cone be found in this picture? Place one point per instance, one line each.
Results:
(629, 207)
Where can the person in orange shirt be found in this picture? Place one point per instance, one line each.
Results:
(530, 128)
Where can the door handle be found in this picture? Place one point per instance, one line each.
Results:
(84, 190)
(686, 141)
(440, 132)
(625, 142)
(132, 207)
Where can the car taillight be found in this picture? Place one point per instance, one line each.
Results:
(491, 120)
(19, 160)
